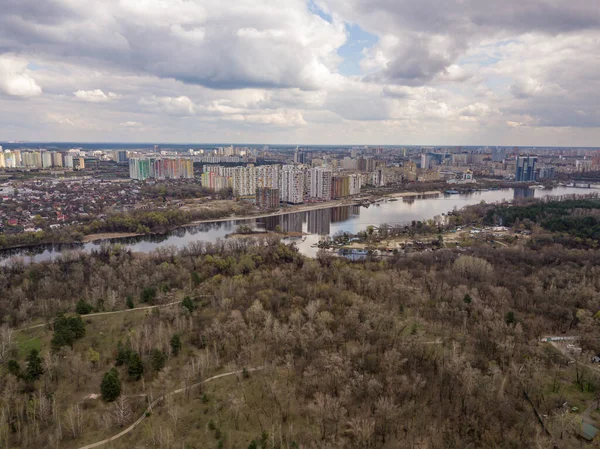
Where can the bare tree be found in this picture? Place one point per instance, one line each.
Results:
(121, 411)
(361, 431)
(73, 421)
(7, 342)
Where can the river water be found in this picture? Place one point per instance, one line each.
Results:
(314, 224)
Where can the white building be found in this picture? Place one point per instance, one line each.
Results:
(57, 159)
(319, 179)
(355, 184)
(46, 160)
(243, 181)
(292, 184)
(268, 176)
(68, 160)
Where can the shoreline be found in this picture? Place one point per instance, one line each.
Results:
(292, 210)
(315, 206)
(109, 235)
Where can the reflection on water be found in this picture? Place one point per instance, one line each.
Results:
(523, 192)
(313, 223)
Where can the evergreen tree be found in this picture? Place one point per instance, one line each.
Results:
(34, 365)
(148, 294)
(188, 304)
(123, 354)
(83, 308)
(130, 302)
(66, 331)
(175, 344)
(111, 385)
(157, 359)
(14, 368)
(136, 367)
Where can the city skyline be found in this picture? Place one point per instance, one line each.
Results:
(317, 72)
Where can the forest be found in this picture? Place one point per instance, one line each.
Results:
(577, 218)
(245, 343)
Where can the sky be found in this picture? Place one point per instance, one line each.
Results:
(368, 72)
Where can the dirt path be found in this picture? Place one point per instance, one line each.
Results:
(141, 418)
(136, 309)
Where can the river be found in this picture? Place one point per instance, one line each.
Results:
(314, 223)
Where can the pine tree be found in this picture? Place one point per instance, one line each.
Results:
(157, 359)
(175, 344)
(83, 308)
(14, 368)
(123, 354)
(34, 365)
(136, 367)
(66, 331)
(111, 385)
(188, 304)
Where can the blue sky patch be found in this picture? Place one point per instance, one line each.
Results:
(315, 9)
(351, 51)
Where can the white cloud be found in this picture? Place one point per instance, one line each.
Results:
(95, 96)
(15, 79)
(181, 105)
(131, 124)
(441, 72)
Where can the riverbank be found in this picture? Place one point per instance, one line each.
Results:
(411, 194)
(238, 235)
(391, 211)
(316, 206)
(108, 235)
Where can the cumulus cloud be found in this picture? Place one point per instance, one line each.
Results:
(181, 106)
(240, 44)
(423, 39)
(283, 118)
(95, 96)
(474, 71)
(15, 79)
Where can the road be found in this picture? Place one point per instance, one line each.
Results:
(90, 315)
(141, 418)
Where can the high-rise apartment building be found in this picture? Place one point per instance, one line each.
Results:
(120, 156)
(267, 198)
(267, 176)
(68, 161)
(300, 157)
(292, 184)
(525, 171)
(319, 183)
(340, 187)
(18, 158)
(498, 154)
(546, 173)
(355, 185)
(46, 160)
(160, 168)
(243, 181)
(57, 159)
(214, 181)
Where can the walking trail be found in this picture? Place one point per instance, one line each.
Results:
(153, 404)
(90, 315)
